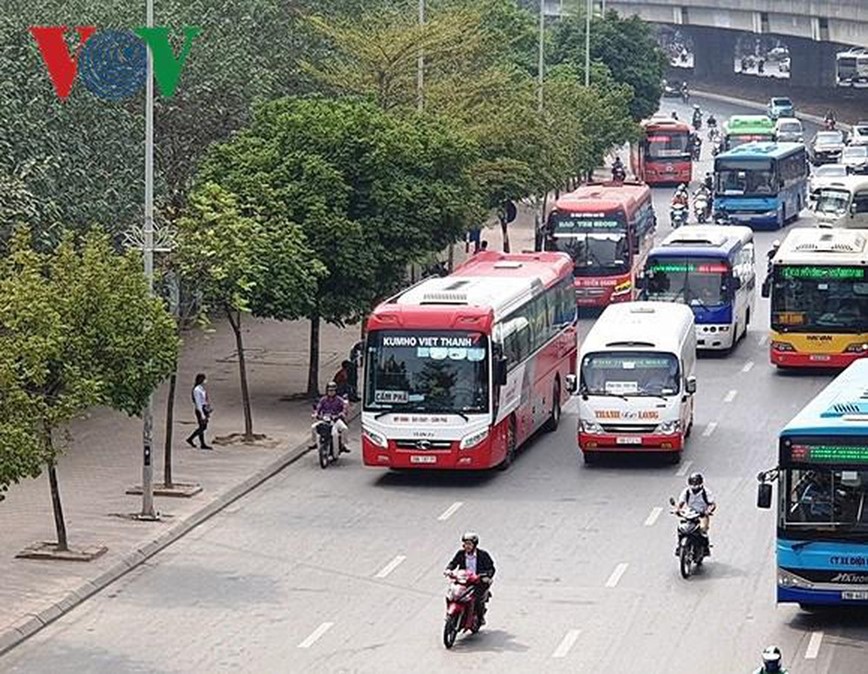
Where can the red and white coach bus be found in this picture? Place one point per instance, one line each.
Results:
(461, 370)
(608, 231)
(662, 156)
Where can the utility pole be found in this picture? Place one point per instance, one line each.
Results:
(541, 61)
(588, 43)
(420, 64)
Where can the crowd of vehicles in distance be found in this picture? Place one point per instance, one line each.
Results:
(822, 476)
(819, 298)
(461, 370)
(789, 130)
(761, 184)
(637, 380)
(663, 154)
(607, 230)
(852, 68)
(842, 203)
(741, 129)
(826, 147)
(780, 106)
(710, 269)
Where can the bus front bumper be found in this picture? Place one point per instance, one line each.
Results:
(821, 597)
(714, 336)
(783, 358)
(764, 219)
(453, 458)
(610, 442)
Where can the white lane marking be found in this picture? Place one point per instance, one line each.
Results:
(730, 396)
(450, 511)
(684, 468)
(652, 518)
(814, 646)
(763, 339)
(391, 566)
(566, 644)
(709, 429)
(315, 635)
(747, 366)
(616, 574)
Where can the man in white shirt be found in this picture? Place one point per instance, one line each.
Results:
(696, 497)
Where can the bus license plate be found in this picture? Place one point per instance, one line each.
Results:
(820, 357)
(423, 459)
(629, 440)
(857, 596)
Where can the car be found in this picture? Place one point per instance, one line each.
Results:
(789, 130)
(855, 158)
(826, 147)
(859, 133)
(671, 89)
(780, 106)
(825, 176)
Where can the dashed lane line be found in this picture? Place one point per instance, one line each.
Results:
(730, 396)
(748, 366)
(450, 511)
(566, 644)
(616, 574)
(813, 648)
(763, 339)
(652, 518)
(685, 466)
(391, 566)
(709, 429)
(315, 635)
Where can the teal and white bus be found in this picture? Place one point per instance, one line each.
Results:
(822, 475)
(761, 184)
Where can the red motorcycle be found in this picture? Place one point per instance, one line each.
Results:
(461, 613)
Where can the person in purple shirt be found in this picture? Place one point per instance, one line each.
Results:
(331, 405)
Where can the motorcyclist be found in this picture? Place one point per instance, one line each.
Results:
(331, 406)
(685, 93)
(708, 182)
(829, 120)
(680, 197)
(618, 170)
(695, 145)
(772, 662)
(703, 191)
(711, 121)
(697, 116)
(475, 560)
(696, 497)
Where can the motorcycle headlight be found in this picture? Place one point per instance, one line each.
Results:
(668, 428)
(375, 437)
(590, 426)
(473, 439)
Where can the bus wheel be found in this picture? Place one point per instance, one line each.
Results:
(510, 445)
(555, 418)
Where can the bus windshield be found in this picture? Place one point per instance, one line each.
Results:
(630, 373)
(597, 242)
(824, 500)
(689, 280)
(435, 371)
(832, 202)
(667, 145)
(739, 177)
(819, 299)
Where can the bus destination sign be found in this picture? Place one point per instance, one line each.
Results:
(823, 273)
(828, 454)
(586, 221)
(686, 268)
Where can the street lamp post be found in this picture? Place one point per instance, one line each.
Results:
(588, 43)
(420, 63)
(541, 62)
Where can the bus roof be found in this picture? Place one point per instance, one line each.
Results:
(484, 288)
(851, 183)
(761, 150)
(703, 241)
(744, 123)
(604, 196)
(814, 245)
(664, 123)
(840, 408)
(661, 326)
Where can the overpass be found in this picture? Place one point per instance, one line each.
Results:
(813, 30)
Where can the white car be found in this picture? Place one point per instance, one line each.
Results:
(855, 158)
(825, 176)
(859, 133)
(789, 130)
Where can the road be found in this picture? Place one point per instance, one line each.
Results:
(339, 571)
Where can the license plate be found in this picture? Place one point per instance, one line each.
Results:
(629, 440)
(423, 459)
(819, 357)
(859, 596)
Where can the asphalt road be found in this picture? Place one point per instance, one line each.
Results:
(339, 571)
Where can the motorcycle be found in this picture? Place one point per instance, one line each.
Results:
(677, 215)
(685, 95)
(713, 134)
(692, 544)
(461, 613)
(325, 442)
(829, 124)
(619, 175)
(721, 217)
(701, 207)
(696, 149)
(697, 121)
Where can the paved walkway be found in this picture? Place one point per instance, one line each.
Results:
(103, 459)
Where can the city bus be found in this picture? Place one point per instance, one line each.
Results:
(607, 229)
(662, 155)
(741, 129)
(761, 184)
(710, 269)
(819, 298)
(461, 370)
(852, 68)
(822, 518)
(842, 203)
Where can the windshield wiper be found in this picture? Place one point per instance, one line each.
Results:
(380, 415)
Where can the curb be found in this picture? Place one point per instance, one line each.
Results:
(753, 105)
(31, 623)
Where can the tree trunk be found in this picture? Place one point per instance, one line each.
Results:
(57, 507)
(235, 322)
(170, 420)
(504, 228)
(313, 355)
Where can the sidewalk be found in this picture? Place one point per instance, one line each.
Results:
(104, 459)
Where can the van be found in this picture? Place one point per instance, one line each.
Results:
(789, 130)
(637, 380)
(842, 203)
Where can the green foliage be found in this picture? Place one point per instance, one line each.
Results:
(77, 329)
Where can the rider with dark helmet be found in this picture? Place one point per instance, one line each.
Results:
(696, 497)
(772, 662)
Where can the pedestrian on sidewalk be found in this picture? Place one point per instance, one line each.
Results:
(342, 379)
(202, 408)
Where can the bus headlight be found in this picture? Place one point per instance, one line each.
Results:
(590, 426)
(787, 579)
(668, 428)
(783, 346)
(858, 347)
(375, 437)
(473, 439)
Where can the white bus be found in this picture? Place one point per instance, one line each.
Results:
(852, 68)
(843, 203)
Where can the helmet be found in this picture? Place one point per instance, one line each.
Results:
(331, 386)
(682, 187)
(696, 106)
(772, 659)
(470, 536)
(695, 480)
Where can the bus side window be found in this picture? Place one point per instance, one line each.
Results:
(860, 202)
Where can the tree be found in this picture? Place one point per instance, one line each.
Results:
(242, 264)
(371, 192)
(78, 328)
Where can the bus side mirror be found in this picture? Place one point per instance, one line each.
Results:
(764, 495)
(736, 283)
(500, 372)
(767, 287)
(690, 385)
(853, 210)
(572, 383)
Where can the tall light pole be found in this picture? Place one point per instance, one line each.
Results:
(541, 61)
(588, 43)
(420, 63)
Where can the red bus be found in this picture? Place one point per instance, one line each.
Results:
(608, 231)
(662, 155)
(459, 371)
